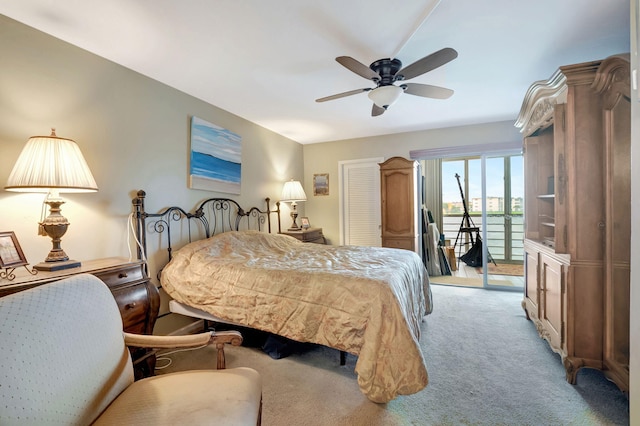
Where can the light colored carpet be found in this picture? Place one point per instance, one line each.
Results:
(486, 363)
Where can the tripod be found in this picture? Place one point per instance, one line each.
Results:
(468, 227)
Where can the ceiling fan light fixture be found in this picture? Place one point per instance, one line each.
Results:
(385, 96)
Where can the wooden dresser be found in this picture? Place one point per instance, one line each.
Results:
(136, 296)
(578, 214)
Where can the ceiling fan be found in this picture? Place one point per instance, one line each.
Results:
(385, 72)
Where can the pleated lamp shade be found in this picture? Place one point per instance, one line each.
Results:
(50, 162)
(293, 191)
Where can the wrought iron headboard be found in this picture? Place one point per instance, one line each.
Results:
(212, 216)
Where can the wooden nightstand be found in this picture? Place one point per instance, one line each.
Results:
(309, 235)
(137, 298)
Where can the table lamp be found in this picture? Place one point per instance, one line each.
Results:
(292, 192)
(52, 165)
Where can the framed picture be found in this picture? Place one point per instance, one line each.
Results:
(11, 254)
(215, 158)
(321, 184)
(304, 221)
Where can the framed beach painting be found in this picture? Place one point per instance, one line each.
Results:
(215, 162)
(321, 184)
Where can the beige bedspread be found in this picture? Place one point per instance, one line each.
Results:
(363, 300)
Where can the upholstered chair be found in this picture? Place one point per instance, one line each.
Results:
(65, 361)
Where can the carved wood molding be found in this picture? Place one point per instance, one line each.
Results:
(539, 102)
(571, 366)
(582, 73)
(544, 333)
(613, 80)
(542, 96)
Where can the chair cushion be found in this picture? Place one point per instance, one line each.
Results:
(217, 397)
(62, 351)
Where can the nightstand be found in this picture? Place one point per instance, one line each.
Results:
(137, 298)
(309, 235)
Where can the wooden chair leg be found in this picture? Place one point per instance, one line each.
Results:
(221, 361)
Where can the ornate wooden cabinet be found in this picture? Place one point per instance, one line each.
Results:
(577, 214)
(137, 298)
(400, 182)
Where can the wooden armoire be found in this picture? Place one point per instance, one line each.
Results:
(577, 129)
(400, 196)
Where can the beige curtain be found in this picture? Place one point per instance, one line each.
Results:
(433, 188)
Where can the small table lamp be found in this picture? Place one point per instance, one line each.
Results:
(52, 165)
(292, 192)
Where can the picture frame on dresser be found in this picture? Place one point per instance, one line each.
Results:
(11, 254)
(304, 223)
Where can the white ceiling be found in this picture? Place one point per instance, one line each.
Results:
(268, 60)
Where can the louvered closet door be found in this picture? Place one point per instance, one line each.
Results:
(360, 202)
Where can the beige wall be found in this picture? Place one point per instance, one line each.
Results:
(133, 132)
(324, 157)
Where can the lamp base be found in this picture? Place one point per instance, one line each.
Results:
(57, 266)
(294, 216)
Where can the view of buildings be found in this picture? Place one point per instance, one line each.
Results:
(494, 205)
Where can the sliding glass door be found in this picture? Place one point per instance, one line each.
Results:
(485, 224)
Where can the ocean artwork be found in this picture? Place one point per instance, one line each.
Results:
(215, 158)
(321, 184)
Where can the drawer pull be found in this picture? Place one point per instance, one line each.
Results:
(122, 275)
(130, 305)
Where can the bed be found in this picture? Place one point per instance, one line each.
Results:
(366, 301)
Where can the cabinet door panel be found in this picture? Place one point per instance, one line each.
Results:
(397, 202)
(401, 243)
(531, 263)
(618, 240)
(552, 303)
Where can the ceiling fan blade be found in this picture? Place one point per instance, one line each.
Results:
(376, 110)
(427, 91)
(426, 64)
(358, 68)
(342, 95)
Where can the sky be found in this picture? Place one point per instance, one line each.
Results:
(207, 138)
(495, 178)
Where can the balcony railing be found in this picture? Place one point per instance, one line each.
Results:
(496, 241)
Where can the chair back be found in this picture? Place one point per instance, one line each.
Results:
(62, 351)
